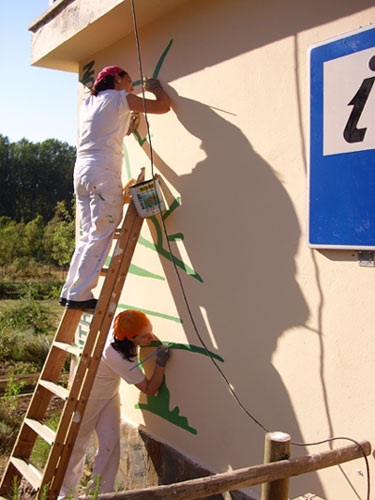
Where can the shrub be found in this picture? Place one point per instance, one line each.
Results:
(27, 314)
(26, 333)
(37, 290)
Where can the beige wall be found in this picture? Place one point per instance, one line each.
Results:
(293, 325)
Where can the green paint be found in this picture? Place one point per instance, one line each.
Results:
(159, 405)
(175, 204)
(151, 313)
(139, 138)
(190, 348)
(139, 271)
(174, 237)
(158, 66)
(87, 78)
(161, 60)
(158, 247)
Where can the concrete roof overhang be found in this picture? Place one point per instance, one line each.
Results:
(70, 31)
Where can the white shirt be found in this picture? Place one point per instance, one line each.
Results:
(104, 120)
(112, 368)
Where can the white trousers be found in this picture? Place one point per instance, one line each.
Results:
(100, 202)
(103, 417)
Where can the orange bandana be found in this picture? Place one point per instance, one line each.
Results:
(129, 323)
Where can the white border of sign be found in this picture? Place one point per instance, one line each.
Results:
(309, 129)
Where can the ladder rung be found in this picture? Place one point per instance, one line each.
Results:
(56, 389)
(68, 348)
(41, 429)
(104, 271)
(28, 471)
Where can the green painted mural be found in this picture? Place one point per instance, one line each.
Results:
(151, 313)
(159, 404)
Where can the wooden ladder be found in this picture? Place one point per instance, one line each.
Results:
(48, 482)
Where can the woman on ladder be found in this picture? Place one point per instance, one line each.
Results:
(131, 329)
(104, 120)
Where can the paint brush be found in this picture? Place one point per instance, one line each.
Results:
(141, 362)
(146, 359)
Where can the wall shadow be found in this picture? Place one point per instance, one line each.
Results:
(241, 235)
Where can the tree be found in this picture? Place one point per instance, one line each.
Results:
(34, 177)
(59, 235)
(11, 241)
(33, 239)
(6, 187)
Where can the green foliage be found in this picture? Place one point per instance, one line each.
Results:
(23, 246)
(26, 332)
(15, 487)
(34, 177)
(36, 290)
(41, 448)
(10, 421)
(33, 238)
(59, 240)
(12, 390)
(27, 314)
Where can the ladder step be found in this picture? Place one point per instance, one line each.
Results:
(56, 389)
(41, 429)
(68, 348)
(28, 471)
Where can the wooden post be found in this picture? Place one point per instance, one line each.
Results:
(242, 478)
(276, 447)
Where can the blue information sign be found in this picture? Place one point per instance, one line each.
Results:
(342, 142)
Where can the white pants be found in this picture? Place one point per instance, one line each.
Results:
(103, 417)
(100, 201)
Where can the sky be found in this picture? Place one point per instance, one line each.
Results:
(35, 103)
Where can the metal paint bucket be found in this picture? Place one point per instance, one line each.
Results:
(148, 198)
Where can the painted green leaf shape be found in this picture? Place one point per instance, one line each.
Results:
(151, 313)
(188, 347)
(158, 65)
(159, 405)
(139, 271)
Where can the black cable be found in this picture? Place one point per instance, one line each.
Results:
(346, 439)
(169, 245)
(237, 399)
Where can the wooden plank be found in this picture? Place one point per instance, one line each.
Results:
(56, 389)
(242, 478)
(41, 429)
(28, 379)
(7, 481)
(76, 351)
(28, 471)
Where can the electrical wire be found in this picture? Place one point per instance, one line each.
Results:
(186, 301)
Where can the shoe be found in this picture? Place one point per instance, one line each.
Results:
(62, 301)
(82, 305)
